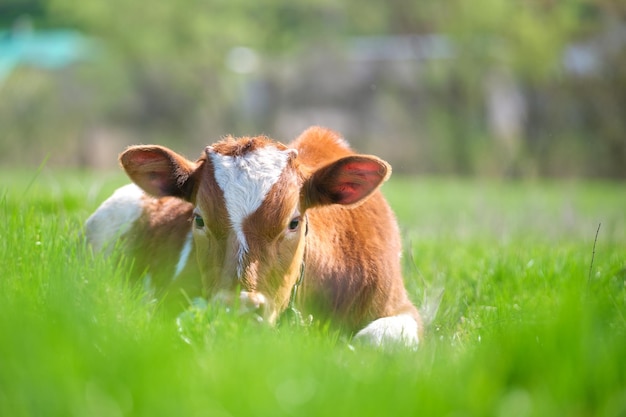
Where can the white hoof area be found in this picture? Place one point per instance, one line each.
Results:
(389, 332)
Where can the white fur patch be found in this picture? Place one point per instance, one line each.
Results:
(245, 181)
(342, 142)
(184, 255)
(400, 330)
(114, 217)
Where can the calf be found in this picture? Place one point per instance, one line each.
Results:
(263, 220)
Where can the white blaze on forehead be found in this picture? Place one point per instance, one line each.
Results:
(246, 180)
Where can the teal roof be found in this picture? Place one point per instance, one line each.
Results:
(46, 49)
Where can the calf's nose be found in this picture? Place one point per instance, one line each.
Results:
(249, 303)
(252, 302)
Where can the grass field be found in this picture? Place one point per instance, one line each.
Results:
(520, 325)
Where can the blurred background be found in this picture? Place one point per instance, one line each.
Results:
(490, 88)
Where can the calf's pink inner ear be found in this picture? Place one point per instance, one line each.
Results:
(157, 170)
(347, 181)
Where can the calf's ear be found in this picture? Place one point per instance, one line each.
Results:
(159, 171)
(347, 181)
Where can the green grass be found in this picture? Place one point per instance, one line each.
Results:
(522, 328)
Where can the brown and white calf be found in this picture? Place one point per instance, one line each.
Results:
(259, 217)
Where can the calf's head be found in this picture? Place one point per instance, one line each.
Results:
(251, 196)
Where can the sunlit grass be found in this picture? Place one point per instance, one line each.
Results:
(518, 324)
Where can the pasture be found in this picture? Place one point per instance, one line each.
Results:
(521, 322)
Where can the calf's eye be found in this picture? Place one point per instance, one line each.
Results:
(198, 221)
(294, 223)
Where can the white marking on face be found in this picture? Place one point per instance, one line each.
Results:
(184, 255)
(245, 181)
(114, 217)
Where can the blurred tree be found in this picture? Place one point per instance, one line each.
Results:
(509, 66)
(12, 10)
(174, 53)
(489, 87)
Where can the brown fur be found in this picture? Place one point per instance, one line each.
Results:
(157, 238)
(153, 245)
(352, 253)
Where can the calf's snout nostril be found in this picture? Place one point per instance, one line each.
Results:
(249, 303)
(252, 302)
